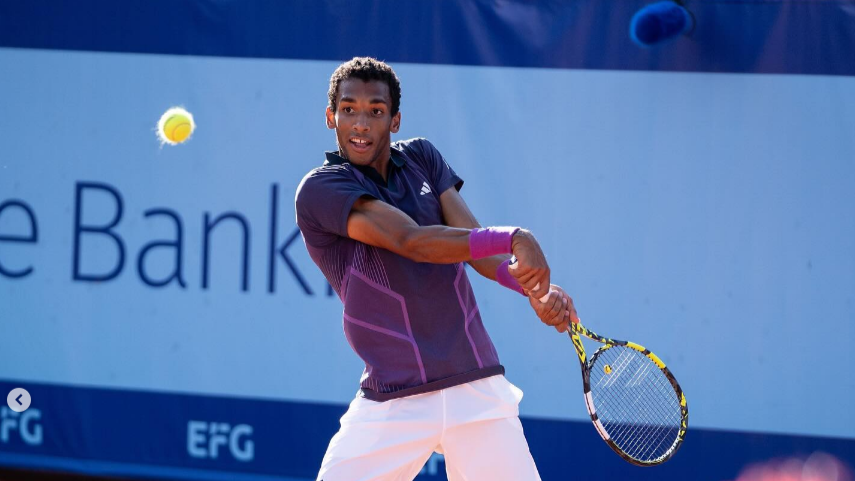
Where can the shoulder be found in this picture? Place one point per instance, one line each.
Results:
(416, 147)
(421, 152)
(328, 175)
(340, 171)
(325, 180)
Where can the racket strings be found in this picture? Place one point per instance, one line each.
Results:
(640, 439)
(635, 402)
(635, 438)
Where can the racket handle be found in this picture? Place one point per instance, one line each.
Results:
(514, 265)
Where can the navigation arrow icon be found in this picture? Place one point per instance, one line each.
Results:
(18, 400)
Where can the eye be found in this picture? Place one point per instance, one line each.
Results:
(348, 110)
(378, 112)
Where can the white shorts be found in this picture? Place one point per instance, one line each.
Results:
(475, 425)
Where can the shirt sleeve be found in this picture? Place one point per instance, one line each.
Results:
(323, 203)
(442, 176)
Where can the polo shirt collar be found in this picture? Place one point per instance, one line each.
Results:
(333, 158)
(398, 159)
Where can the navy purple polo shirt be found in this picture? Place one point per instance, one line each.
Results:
(415, 325)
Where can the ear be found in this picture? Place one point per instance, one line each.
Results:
(330, 115)
(396, 123)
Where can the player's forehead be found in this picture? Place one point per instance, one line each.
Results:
(358, 90)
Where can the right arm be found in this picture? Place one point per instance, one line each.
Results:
(379, 224)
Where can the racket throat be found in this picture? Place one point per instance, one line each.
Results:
(580, 349)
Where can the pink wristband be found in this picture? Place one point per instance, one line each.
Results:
(491, 241)
(504, 277)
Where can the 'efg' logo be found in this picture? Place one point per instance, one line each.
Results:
(204, 440)
(25, 425)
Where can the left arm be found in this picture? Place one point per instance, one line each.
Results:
(457, 214)
(558, 311)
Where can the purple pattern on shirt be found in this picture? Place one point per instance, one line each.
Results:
(367, 260)
(467, 313)
(416, 326)
(379, 314)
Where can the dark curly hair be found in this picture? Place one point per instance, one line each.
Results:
(365, 69)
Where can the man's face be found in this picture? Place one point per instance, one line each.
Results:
(363, 121)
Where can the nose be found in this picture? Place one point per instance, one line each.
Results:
(361, 123)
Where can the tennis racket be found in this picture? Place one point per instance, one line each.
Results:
(635, 403)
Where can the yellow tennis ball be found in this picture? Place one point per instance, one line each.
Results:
(175, 126)
(608, 369)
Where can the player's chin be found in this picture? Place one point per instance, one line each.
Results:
(361, 156)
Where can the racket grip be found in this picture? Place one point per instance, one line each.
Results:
(514, 265)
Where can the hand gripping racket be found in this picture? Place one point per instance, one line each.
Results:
(634, 401)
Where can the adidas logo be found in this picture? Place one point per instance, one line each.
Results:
(425, 188)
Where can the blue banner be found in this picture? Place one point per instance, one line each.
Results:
(753, 36)
(180, 436)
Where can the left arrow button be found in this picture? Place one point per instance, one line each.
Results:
(19, 400)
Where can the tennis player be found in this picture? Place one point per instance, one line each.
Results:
(387, 227)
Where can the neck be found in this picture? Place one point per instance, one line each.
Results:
(382, 168)
(381, 165)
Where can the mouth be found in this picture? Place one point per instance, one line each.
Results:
(359, 144)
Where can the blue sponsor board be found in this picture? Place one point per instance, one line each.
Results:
(179, 436)
(169, 433)
(740, 37)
